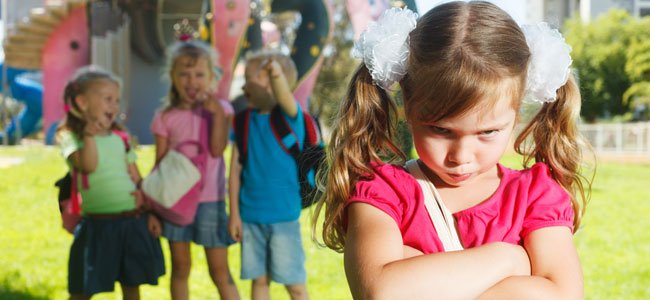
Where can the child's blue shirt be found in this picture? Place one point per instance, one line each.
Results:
(270, 192)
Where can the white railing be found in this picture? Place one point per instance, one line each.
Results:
(622, 138)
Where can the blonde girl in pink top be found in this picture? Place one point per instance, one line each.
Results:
(193, 78)
(464, 69)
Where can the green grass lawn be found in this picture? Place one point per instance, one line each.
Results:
(614, 242)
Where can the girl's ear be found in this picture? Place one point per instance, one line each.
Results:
(81, 102)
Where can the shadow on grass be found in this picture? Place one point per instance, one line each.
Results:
(7, 294)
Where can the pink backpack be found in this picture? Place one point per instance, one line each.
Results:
(159, 184)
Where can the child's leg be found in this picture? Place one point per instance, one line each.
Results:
(130, 292)
(260, 288)
(220, 272)
(297, 291)
(181, 265)
(287, 265)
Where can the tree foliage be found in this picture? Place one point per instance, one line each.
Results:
(612, 59)
(337, 68)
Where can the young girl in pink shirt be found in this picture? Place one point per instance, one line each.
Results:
(193, 76)
(456, 224)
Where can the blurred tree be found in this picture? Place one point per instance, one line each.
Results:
(612, 59)
(336, 71)
(335, 75)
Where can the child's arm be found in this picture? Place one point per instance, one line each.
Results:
(134, 173)
(376, 269)
(234, 183)
(162, 146)
(281, 89)
(220, 125)
(555, 268)
(85, 159)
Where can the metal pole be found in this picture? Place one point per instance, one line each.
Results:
(3, 114)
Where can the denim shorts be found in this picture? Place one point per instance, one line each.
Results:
(274, 250)
(109, 250)
(210, 227)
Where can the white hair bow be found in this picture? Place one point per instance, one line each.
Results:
(384, 48)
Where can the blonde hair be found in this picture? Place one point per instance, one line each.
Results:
(83, 80)
(287, 64)
(194, 50)
(461, 53)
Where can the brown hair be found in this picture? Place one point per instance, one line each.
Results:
(194, 50)
(461, 53)
(83, 80)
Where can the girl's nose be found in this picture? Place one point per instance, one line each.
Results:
(460, 152)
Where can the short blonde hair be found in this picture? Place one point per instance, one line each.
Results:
(287, 64)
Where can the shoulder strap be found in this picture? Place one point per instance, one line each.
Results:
(75, 201)
(125, 138)
(240, 126)
(312, 130)
(441, 217)
(283, 133)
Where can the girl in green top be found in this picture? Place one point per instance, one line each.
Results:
(115, 240)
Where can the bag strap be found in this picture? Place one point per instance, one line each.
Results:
(283, 133)
(75, 201)
(204, 128)
(125, 138)
(442, 219)
(287, 138)
(240, 126)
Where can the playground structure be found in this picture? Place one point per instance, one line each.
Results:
(129, 38)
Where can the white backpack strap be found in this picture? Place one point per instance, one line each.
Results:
(442, 219)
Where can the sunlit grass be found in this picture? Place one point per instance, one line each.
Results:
(613, 244)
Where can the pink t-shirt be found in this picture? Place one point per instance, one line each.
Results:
(178, 125)
(525, 200)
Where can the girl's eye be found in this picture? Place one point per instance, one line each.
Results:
(439, 130)
(489, 133)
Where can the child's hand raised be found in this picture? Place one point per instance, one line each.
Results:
(272, 67)
(212, 106)
(95, 126)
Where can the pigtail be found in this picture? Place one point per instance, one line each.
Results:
(73, 120)
(362, 135)
(557, 142)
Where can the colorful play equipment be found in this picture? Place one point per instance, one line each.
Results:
(52, 42)
(61, 36)
(27, 88)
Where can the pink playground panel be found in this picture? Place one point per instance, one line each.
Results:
(230, 24)
(66, 50)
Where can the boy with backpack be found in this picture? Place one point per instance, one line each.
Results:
(265, 192)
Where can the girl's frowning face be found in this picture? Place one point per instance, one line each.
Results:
(463, 148)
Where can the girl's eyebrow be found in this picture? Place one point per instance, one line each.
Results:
(481, 129)
(496, 126)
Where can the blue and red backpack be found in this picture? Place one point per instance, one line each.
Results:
(309, 159)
